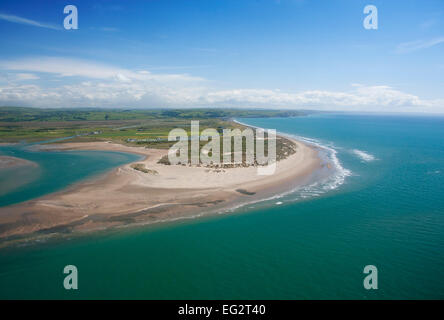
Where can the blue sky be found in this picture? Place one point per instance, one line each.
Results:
(224, 53)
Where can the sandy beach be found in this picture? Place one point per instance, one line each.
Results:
(168, 192)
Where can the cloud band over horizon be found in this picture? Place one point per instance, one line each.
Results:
(97, 85)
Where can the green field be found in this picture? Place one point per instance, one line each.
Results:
(19, 114)
(149, 128)
(30, 124)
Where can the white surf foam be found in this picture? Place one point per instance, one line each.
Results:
(363, 155)
(328, 154)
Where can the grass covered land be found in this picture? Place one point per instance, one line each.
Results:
(18, 114)
(149, 128)
(124, 126)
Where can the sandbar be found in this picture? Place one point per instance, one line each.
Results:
(125, 196)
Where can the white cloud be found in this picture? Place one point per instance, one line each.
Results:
(419, 44)
(66, 67)
(26, 76)
(107, 86)
(127, 94)
(14, 77)
(29, 22)
(377, 98)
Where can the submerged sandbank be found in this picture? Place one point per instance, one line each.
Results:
(12, 162)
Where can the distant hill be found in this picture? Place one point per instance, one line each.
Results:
(21, 114)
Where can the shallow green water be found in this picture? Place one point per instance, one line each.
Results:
(54, 171)
(389, 212)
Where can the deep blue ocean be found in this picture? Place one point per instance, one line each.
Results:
(383, 207)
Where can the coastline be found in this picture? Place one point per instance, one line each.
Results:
(126, 196)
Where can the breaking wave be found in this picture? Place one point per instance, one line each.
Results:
(332, 177)
(364, 156)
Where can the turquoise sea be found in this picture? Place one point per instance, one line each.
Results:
(384, 206)
(54, 171)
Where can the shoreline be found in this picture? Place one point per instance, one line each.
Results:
(176, 192)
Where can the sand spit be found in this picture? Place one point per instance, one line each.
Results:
(127, 196)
